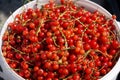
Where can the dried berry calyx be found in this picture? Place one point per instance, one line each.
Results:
(61, 42)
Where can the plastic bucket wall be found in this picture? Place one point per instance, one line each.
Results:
(9, 74)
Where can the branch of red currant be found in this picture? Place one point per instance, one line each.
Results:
(66, 44)
(40, 25)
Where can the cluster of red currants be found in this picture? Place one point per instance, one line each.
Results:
(61, 42)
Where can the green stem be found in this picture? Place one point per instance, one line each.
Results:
(104, 54)
(40, 25)
(24, 23)
(62, 15)
(12, 60)
(16, 50)
(86, 54)
(54, 40)
(16, 69)
(80, 23)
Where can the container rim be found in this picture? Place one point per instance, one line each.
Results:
(110, 75)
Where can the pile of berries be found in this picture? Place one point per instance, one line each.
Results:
(61, 42)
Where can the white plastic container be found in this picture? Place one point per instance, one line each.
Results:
(9, 74)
